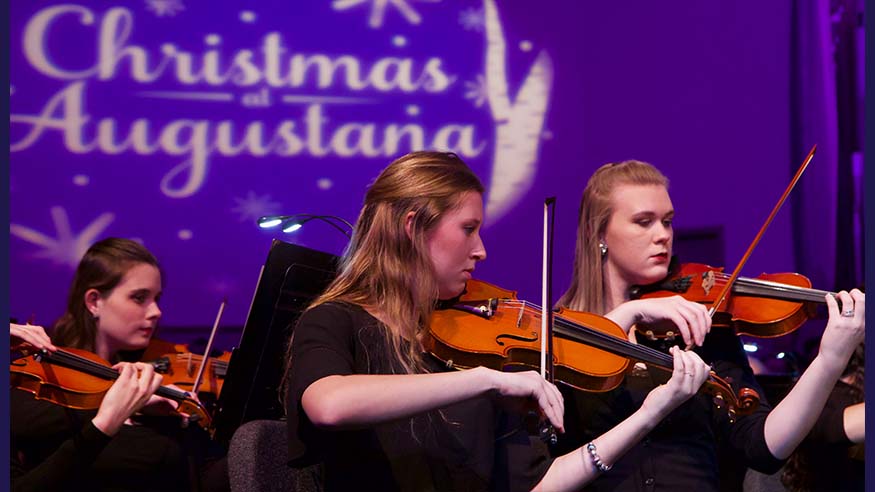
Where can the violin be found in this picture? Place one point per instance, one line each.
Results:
(179, 366)
(79, 379)
(490, 327)
(200, 374)
(770, 305)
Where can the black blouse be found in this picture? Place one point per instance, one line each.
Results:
(471, 445)
(56, 448)
(826, 453)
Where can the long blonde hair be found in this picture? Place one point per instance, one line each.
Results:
(587, 289)
(385, 269)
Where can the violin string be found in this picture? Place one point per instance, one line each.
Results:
(642, 353)
(87, 366)
(782, 293)
(93, 368)
(767, 286)
(608, 342)
(775, 289)
(602, 340)
(217, 364)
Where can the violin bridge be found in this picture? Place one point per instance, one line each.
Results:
(519, 318)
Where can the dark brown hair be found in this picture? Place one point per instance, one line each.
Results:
(102, 268)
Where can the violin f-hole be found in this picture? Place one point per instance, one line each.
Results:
(519, 338)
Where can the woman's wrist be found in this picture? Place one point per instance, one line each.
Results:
(105, 425)
(831, 366)
(484, 379)
(647, 416)
(625, 315)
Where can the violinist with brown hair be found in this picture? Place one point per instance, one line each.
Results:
(365, 400)
(112, 311)
(830, 459)
(625, 239)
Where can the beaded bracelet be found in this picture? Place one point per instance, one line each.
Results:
(596, 459)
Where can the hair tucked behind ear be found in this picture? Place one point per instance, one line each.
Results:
(586, 292)
(102, 268)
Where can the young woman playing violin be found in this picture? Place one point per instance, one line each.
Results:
(625, 239)
(113, 312)
(363, 398)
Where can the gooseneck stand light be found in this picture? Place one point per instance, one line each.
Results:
(291, 223)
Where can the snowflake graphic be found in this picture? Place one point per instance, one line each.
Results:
(254, 206)
(472, 19)
(476, 91)
(165, 7)
(378, 9)
(66, 248)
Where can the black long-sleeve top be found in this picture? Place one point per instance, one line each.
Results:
(825, 452)
(468, 446)
(58, 449)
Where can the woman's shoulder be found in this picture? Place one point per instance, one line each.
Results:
(339, 320)
(336, 311)
(337, 306)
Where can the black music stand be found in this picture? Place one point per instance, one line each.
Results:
(291, 277)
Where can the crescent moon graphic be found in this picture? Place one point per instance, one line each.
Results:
(518, 124)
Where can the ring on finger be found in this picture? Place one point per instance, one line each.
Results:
(848, 313)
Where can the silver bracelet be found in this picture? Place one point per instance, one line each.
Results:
(596, 459)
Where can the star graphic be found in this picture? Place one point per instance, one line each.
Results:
(378, 9)
(476, 91)
(254, 206)
(165, 7)
(66, 248)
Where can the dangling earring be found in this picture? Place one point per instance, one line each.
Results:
(603, 248)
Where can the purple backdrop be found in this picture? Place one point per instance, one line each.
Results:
(179, 123)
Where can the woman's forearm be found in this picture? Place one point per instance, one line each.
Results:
(360, 400)
(574, 470)
(789, 422)
(855, 422)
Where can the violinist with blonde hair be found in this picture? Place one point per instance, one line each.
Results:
(625, 239)
(365, 400)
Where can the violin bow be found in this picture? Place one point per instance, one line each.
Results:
(723, 293)
(200, 371)
(548, 433)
